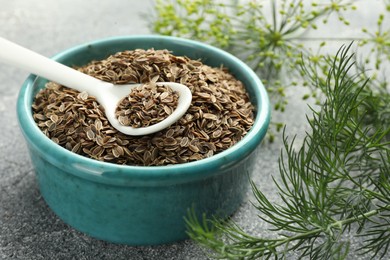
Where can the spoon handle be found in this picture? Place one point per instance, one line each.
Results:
(35, 63)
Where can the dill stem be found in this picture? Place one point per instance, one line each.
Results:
(327, 39)
(337, 224)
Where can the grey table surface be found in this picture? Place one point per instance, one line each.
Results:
(28, 228)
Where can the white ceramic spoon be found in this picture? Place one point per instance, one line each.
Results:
(107, 94)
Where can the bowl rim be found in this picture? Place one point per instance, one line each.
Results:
(114, 173)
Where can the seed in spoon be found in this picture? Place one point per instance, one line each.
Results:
(147, 105)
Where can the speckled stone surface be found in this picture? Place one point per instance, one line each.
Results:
(28, 228)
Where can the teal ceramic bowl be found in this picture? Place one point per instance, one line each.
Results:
(139, 205)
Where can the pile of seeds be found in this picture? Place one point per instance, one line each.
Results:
(147, 105)
(219, 116)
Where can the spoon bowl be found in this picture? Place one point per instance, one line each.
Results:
(111, 95)
(107, 94)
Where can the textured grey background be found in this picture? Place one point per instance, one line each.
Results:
(28, 228)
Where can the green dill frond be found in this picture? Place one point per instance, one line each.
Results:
(337, 182)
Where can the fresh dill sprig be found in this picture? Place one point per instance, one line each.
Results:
(336, 184)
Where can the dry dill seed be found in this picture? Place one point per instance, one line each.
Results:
(219, 116)
(147, 105)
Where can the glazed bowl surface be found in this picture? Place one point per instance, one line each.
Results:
(140, 205)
